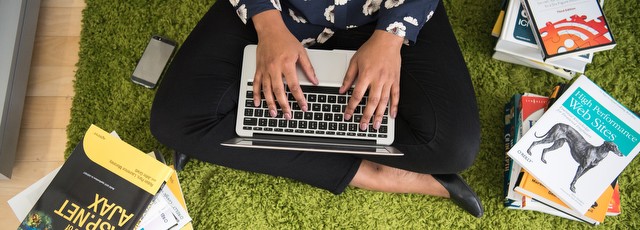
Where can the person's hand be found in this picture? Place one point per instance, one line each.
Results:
(277, 55)
(376, 67)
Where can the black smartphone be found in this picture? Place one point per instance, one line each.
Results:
(153, 61)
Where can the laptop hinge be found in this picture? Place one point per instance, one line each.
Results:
(314, 140)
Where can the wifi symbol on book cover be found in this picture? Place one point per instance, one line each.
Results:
(574, 33)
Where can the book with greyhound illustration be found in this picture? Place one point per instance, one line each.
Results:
(580, 145)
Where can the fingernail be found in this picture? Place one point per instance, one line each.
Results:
(273, 113)
(304, 108)
(347, 117)
(376, 125)
(287, 116)
(363, 126)
(393, 114)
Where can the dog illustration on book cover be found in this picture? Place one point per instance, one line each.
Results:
(583, 152)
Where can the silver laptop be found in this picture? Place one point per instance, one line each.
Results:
(322, 128)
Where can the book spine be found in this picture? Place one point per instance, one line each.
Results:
(497, 27)
(534, 29)
(514, 168)
(508, 133)
(556, 91)
(569, 212)
(510, 58)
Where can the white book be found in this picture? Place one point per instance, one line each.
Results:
(568, 28)
(22, 202)
(517, 39)
(581, 144)
(533, 205)
(505, 57)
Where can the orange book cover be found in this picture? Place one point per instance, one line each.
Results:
(614, 205)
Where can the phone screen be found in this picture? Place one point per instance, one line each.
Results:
(153, 61)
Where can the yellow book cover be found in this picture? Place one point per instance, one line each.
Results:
(497, 27)
(104, 184)
(174, 185)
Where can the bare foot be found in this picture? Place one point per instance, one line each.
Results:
(377, 177)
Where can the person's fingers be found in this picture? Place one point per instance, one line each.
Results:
(350, 76)
(294, 87)
(257, 89)
(268, 97)
(277, 87)
(395, 99)
(355, 99)
(374, 98)
(382, 107)
(307, 68)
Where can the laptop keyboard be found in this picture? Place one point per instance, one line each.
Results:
(324, 116)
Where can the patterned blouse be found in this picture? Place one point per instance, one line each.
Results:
(313, 21)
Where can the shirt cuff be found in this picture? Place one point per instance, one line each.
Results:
(248, 8)
(405, 18)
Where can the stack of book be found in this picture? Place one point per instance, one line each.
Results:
(563, 153)
(105, 184)
(556, 36)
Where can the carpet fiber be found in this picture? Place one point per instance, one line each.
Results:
(115, 33)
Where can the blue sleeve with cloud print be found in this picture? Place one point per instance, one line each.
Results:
(405, 18)
(248, 8)
(310, 18)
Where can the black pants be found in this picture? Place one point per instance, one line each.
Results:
(437, 126)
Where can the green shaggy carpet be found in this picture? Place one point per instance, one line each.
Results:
(115, 33)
